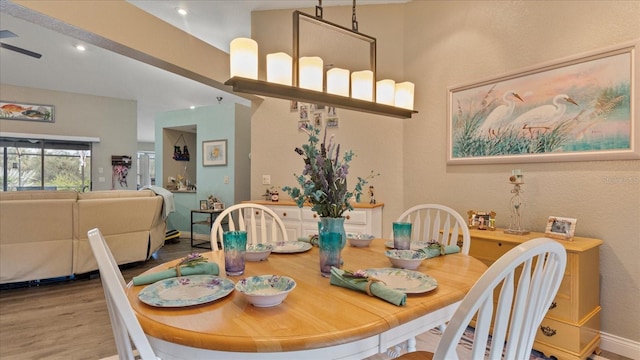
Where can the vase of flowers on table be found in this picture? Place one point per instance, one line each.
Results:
(323, 185)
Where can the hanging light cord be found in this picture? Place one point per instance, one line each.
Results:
(354, 22)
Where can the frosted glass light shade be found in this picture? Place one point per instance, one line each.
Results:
(362, 85)
(311, 73)
(338, 82)
(279, 67)
(404, 95)
(386, 92)
(243, 54)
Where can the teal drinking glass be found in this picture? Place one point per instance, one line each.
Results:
(235, 246)
(402, 235)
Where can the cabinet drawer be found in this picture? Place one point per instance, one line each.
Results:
(570, 336)
(489, 250)
(356, 217)
(287, 213)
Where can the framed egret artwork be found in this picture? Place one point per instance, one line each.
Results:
(574, 109)
(214, 152)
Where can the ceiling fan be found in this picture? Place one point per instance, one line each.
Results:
(8, 34)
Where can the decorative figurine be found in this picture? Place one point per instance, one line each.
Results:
(372, 199)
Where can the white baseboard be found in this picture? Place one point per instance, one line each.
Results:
(621, 346)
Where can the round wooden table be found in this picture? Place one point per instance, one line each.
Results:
(316, 320)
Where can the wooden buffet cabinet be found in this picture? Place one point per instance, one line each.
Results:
(571, 328)
(302, 222)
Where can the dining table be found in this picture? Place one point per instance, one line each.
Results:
(317, 320)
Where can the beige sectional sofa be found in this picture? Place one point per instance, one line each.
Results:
(43, 234)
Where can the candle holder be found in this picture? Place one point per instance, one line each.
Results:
(516, 205)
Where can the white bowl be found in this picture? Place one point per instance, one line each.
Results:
(405, 259)
(359, 240)
(266, 290)
(257, 252)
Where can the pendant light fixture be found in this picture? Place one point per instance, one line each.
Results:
(353, 89)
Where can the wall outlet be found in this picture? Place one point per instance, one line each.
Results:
(266, 179)
(226, 179)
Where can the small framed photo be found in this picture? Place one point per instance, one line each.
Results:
(218, 206)
(214, 152)
(204, 205)
(560, 228)
(482, 220)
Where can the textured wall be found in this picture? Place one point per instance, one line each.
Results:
(452, 43)
(448, 43)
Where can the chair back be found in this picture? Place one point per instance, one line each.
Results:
(517, 310)
(261, 224)
(126, 328)
(437, 222)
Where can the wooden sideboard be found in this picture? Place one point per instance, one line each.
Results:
(571, 328)
(364, 218)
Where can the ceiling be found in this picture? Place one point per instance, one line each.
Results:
(100, 72)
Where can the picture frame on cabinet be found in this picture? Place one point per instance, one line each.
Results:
(204, 205)
(214, 153)
(577, 108)
(218, 206)
(560, 228)
(482, 220)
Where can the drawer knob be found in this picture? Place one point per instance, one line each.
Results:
(284, 214)
(547, 331)
(348, 217)
(553, 305)
(315, 216)
(499, 244)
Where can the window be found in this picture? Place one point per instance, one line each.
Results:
(32, 164)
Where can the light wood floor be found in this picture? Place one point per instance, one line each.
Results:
(69, 320)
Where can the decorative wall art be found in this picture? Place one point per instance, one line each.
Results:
(214, 152)
(26, 111)
(574, 109)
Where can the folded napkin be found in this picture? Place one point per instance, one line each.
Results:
(435, 252)
(205, 268)
(376, 288)
(311, 239)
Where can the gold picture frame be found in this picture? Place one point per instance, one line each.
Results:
(482, 220)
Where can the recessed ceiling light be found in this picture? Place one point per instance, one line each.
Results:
(192, 107)
(182, 11)
(80, 47)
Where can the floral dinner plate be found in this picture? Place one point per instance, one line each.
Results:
(186, 291)
(289, 247)
(407, 281)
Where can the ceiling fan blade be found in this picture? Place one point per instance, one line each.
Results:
(21, 50)
(7, 34)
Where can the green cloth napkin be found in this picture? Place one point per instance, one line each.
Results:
(450, 249)
(378, 289)
(206, 268)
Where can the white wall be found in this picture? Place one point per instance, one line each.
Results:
(446, 43)
(112, 120)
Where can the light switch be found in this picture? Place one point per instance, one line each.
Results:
(226, 179)
(266, 179)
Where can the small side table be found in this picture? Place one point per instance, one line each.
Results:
(213, 214)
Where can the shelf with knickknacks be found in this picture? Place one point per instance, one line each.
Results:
(516, 204)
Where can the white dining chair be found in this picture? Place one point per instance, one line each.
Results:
(262, 224)
(512, 319)
(126, 328)
(437, 222)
